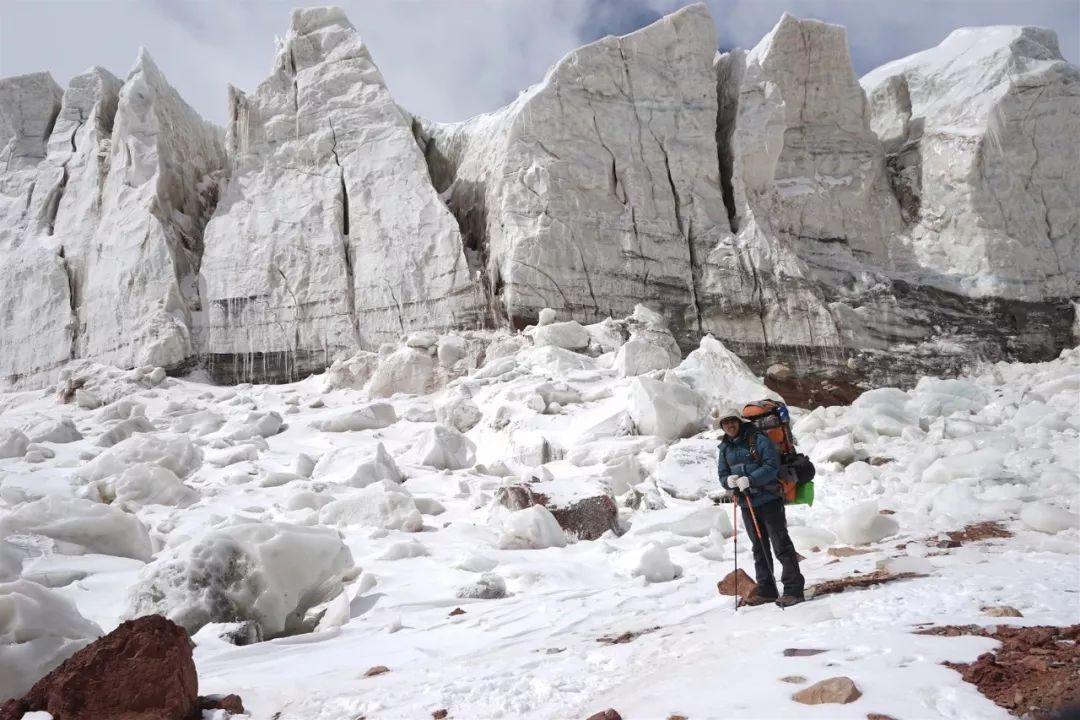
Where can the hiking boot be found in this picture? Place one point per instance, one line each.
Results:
(756, 599)
(789, 600)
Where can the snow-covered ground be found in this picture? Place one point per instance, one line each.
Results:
(348, 528)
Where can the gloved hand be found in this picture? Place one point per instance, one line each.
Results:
(732, 481)
(743, 483)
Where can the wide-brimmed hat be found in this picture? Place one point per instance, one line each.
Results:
(722, 414)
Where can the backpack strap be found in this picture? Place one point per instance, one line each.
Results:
(751, 443)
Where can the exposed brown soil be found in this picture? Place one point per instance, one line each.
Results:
(1034, 674)
(979, 531)
(626, 637)
(878, 577)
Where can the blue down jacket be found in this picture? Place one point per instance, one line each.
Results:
(735, 458)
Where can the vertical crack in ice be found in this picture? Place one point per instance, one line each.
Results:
(346, 240)
(58, 194)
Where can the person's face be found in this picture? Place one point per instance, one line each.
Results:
(730, 426)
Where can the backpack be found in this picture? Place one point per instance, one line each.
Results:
(796, 476)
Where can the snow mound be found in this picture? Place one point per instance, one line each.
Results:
(146, 484)
(202, 422)
(381, 505)
(862, 524)
(459, 412)
(639, 356)
(533, 528)
(406, 370)
(667, 410)
(357, 467)
(443, 448)
(268, 573)
(608, 335)
(353, 372)
(404, 551)
(570, 335)
(985, 463)
(936, 397)
(700, 523)
(88, 526)
(721, 376)
(168, 450)
(123, 430)
(475, 563)
(39, 629)
(804, 538)
(883, 412)
(651, 562)
(374, 416)
(1048, 519)
(262, 425)
(55, 431)
(12, 443)
(10, 562)
(839, 449)
(488, 587)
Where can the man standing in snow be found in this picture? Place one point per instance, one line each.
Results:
(748, 465)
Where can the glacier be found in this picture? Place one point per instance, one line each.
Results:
(870, 229)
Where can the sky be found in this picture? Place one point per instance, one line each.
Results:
(448, 60)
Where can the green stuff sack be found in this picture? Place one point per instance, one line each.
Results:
(804, 494)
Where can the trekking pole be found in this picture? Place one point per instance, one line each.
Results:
(736, 537)
(757, 528)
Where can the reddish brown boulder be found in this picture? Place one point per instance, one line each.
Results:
(746, 585)
(231, 704)
(841, 690)
(518, 497)
(586, 519)
(590, 518)
(377, 670)
(608, 714)
(142, 670)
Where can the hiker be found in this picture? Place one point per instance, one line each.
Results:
(747, 465)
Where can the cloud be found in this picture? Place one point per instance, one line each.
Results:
(449, 60)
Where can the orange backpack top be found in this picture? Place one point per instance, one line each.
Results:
(772, 419)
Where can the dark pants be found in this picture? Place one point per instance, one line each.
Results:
(772, 522)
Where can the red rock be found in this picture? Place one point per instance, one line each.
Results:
(590, 518)
(377, 670)
(839, 690)
(608, 714)
(585, 519)
(747, 586)
(456, 611)
(439, 714)
(229, 703)
(518, 497)
(802, 652)
(142, 670)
